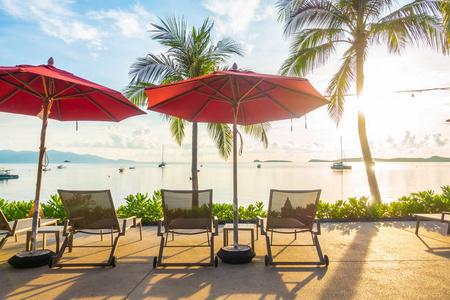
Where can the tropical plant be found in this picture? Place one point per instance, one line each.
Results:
(189, 54)
(318, 27)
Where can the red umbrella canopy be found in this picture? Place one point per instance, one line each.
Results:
(23, 88)
(258, 98)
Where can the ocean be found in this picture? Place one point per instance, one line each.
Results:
(395, 180)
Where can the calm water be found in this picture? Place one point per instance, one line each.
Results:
(394, 179)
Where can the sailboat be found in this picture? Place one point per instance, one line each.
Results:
(341, 165)
(162, 164)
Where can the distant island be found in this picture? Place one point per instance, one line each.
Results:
(272, 160)
(398, 159)
(10, 156)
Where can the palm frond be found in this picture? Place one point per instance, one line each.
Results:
(177, 127)
(153, 69)
(222, 135)
(259, 132)
(339, 86)
(136, 93)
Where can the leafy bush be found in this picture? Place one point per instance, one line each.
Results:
(141, 206)
(16, 209)
(54, 209)
(150, 208)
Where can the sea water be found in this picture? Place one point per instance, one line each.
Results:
(394, 179)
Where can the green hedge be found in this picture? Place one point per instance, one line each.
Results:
(149, 208)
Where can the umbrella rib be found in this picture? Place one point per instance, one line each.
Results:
(213, 97)
(9, 96)
(252, 88)
(201, 109)
(70, 96)
(98, 105)
(259, 94)
(296, 91)
(63, 90)
(172, 99)
(24, 83)
(273, 100)
(22, 88)
(216, 90)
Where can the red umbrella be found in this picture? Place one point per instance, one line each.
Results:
(54, 93)
(235, 97)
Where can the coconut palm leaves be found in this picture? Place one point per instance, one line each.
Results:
(319, 27)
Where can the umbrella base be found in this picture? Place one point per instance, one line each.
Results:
(26, 259)
(241, 254)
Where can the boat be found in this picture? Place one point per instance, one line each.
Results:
(61, 167)
(67, 161)
(341, 165)
(132, 168)
(122, 169)
(162, 164)
(6, 174)
(46, 169)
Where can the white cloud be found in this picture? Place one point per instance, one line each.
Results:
(54, 17)
(131, 24)
(234, 16)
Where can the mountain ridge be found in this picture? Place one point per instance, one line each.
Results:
(11, 156)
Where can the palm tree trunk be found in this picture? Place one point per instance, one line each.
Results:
(364, 142)
(194, 163)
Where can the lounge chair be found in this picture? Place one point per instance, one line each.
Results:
(443, 217)
(92, 212)
(292, 212)
(14, 228)
(187, 213)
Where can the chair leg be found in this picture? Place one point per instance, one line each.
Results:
(269, 251)
(161, 246)
(417, 226)
(448, 229)
(319, 250)
(3, 241)
(212, 247)
(140, 230)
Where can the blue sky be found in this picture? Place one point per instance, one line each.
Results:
(99, 40)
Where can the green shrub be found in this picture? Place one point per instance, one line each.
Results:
(141, 206)
(16, 209)
(150, 208)
(54, 209)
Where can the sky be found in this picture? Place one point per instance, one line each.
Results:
(99, 40)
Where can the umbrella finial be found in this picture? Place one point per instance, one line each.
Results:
(234, 67)
(51, 61)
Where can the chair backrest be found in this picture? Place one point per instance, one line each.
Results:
(292, 209)
(4, 225)
(187, 209)
(90, 209)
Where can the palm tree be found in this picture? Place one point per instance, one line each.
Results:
(318, 27)
(189, 54)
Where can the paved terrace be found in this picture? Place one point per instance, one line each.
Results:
(368, 260)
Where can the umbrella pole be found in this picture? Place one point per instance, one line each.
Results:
(235, 196)
(37, 198)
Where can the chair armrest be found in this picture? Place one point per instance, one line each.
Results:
(16, 225)
(160, 221)
(260, 221)
(216, 226)
(133, 218)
